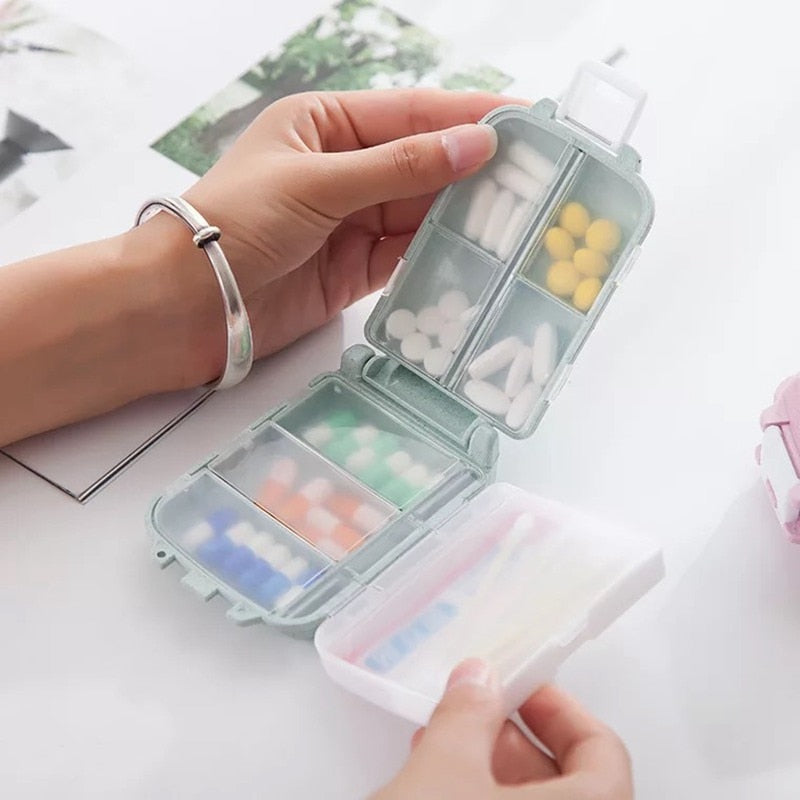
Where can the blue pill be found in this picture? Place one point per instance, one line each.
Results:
(239, 561)
(221, 519)
(252, 578)
(272, 589)
(215, 551)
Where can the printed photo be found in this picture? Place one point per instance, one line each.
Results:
(64, 96)
(358, 44)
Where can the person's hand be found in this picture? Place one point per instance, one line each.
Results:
(319, 197)
(469, 751)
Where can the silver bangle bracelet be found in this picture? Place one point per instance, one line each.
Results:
(205, 236)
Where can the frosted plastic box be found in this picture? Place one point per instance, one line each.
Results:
(365, 510)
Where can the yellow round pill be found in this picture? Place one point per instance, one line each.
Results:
(585, 293)
(603, 235)
(574, 219)
(590, 263)
(562, 278)
(559, 243)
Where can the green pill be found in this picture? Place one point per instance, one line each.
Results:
(398, 491)
(375, 475)
(386, 444)
(340, 448)
(342, 419)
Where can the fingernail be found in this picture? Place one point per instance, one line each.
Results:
(473, 671)
(469, 145)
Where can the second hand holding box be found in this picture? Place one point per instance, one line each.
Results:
(365, 510)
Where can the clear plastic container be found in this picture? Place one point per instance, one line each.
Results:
(515, 579)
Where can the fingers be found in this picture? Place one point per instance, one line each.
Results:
(338, 184)
(375, 117)
(517, 760)
(463, 729)
(586, 751)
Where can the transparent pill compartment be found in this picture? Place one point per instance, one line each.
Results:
(360, 510)
(512, 578)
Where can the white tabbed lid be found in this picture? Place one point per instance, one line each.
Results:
(513, 578)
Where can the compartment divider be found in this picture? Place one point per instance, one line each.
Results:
(570, 163)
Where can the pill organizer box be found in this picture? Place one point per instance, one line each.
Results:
(365, 510)
(778, 455)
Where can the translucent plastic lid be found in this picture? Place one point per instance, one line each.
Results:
(512, 578)
(510, 269)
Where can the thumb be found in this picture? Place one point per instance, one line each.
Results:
(465, 725)
(403, 168)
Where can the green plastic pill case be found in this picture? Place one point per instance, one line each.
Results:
(365, 512)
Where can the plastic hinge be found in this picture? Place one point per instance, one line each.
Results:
(243, 614)
(162, 553)
(603, 103)
(626, 267)
(200, 583)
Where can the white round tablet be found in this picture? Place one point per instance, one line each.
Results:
(400, 323)
(430, 320)
(453, 303)
(436, 361)
(451, 334)
(414, 346)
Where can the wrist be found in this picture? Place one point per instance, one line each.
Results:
(179, 301)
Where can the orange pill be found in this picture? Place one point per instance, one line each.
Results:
(282, 475)
(343, 505)
(346, 536)
(294, 509)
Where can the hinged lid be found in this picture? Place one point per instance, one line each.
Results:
(511, 267)
(513, 578)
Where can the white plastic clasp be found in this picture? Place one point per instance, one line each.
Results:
(602, 102)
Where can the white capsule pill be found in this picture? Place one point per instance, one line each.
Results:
(295, 568)
(322, 519)
(532, 161)
(430, 320)
(241, 533)
(400, 323)
(284, 471)
(366, 434)
(278, 555)
(495, 358)
(519, 373)
(331, 548)
(451, 334)
(414, 346)
(487, 397)
(360, 459)
(436, 361)
(519, 182)
(318, 435)
(469, 314)
(398, 462)
(545, 353)
(479, 207)
(262, 547)
(317, 490)
(288, 596)
(367, 518)
(522, 406)
(497, 220)
(512, 231)
(197, 535)
(418, 475)
(453, 303)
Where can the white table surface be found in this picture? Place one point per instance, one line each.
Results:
(115, 681)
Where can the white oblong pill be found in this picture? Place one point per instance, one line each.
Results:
(241, 533)
(360, 459)
(453, 303)
(322, 519)
(531, 160)
(545, 353)
(519, 182)
(365, 434)
(367, 518)
(400, 323)
(430, 320)
(469, 314)
(522, 406)
(436, 361)
(417, 475)
(519, 372)
(479, 207)
(512, 231)
(317, 490)
(495, 358)
(451, 334)
(497, 220)
(278, 555)
(414, 346)
(487, 397)
(318, 435)
(197, 535)
(295, 568)
(399, 462)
